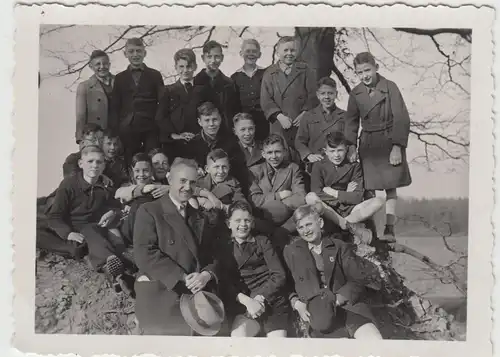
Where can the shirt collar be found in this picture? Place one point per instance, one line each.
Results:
(284, 66)
(140, 68)
(241, 241)
(106, 81)
(315, 248)
(332, 109)
(87, 186)
(177, 204)
(245, 146)
(242, 70)
(184, 82)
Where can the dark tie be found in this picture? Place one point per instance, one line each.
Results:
(189, 87)
(271, 173)
(371, 91)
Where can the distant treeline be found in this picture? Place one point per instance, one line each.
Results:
(415, 214)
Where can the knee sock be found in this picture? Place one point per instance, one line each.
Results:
(390, 207)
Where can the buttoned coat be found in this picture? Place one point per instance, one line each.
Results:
(166, 247)
(313, 129)
(92, 105)
(290, 95)
(345, 273)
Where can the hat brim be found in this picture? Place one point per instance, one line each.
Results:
(188, 317)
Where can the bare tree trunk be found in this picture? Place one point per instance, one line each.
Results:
(316, 48)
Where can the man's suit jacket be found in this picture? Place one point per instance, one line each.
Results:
(288, 177)
(345, 273)
(313, 129)
(92, 105)
(227, 192)
(134, 106)
(165, 249)
(177, 112)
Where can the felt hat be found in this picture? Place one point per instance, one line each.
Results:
(203, 312)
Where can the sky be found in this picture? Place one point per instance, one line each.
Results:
(410, 61)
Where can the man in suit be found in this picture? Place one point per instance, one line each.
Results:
(330, 281)
(177, 117)
(277, 187)
(93, 96)
(136, 94)
(173, 251)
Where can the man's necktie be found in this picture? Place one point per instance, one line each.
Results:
(182, 210)
(189, 87)
(272, 175)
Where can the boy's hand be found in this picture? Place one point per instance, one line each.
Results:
(314, 157)
(301, 308)
(285, 194)
(285, 121)
(330, 191)
(341, 300)
(197, 281)
(396, 157)
(254, 308)
(186, 136)
(352, 186)
(107, 218)
(76, 237)
(296, 121)
(352, 153)
(149, 188)
(160, 191)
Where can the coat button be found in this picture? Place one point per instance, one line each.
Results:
(98, 99)
(98, 118)
(301, 278)
(171, 241)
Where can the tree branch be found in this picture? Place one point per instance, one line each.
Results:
(466, 34)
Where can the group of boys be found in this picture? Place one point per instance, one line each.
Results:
(273, 137)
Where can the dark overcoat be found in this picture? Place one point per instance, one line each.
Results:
(313, 129)
(385, 122)
(345, 273)
(166, 247)
(290, 95)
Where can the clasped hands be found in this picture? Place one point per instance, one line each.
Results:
(197, 281)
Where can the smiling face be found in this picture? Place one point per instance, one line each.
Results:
(213, 59)
(274, 154)
(287, 52)
(142, 173)
(135, 54)
(367, 73)
(182, 181)
(92, 165)
(326, 96)
(240, 223)
(210, 123)
(185, 70)
(218, 169)
(110, 146)
(250, 53)
(336, 154)
(245, 131)
(310, 227)
(100, 66)
(160, 166)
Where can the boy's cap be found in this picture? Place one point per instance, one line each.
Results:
(97, 54)
(135, 41)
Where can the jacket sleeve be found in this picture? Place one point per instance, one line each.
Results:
(298, 197)
(302, 138)
(81, 110)
(58, 215)
(317, 178)
(400, 117)
(148, 256)
(358, 271)
(277, 277)
(256, 195)
(355, 196)
(352, 121)
(312, 100)
(267, 102)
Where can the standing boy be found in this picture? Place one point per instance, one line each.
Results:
(223, 91)
(176, 115)
(278, 186)
(248, 79)
(379, 105)
(136, 94)
(317, 123)
(288, 90)
(84, 209)
(93, 96)
(338, 185)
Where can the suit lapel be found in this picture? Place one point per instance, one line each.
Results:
(368, 102)
(326, 125)
(248, 252)
(329, 253)
(196, 222)
(341, 172)
(281, 176)
(265, 179)
(256, 154)
(294, 73)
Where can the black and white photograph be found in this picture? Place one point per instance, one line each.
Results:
(302, 182)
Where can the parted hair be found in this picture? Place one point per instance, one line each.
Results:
(180, 161)
(207, 108)
(286, 39)
(186, 54)
(238, 205)
(364, 57)
(250, 41)
(327, 81)
(207, 47)
(304, 211)
(217, 154)
(274, 139)
(242, 116)
(335, 139)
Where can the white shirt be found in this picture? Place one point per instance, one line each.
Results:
(242, 69)
(316, 248)
(240, 241)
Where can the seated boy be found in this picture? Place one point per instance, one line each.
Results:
(338, 184)
(221, 89)
(317, 123)
(330, 281)
(84, 209)
(116, 169)
(176, 115)
(277, 187)
(91, 135)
